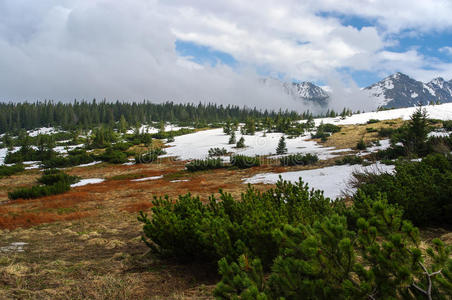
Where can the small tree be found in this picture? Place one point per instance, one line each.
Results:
(240, 143)
(414, 135)
(361, 145)
(281, 149)
(232, 139)
(123, 124)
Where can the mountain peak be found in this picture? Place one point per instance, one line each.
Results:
(400, 90)
(304, 91)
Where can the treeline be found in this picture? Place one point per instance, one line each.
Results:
(83, 114)
(86, 115)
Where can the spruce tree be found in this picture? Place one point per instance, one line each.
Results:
(232, 139)
(241, 143)
(281, 149)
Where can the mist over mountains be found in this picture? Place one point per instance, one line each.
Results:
(395, 91)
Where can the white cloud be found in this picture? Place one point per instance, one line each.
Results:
(447, 50)
(125, 50)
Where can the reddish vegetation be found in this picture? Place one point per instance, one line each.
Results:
(27, 219)
(137, 206)
(117, 195)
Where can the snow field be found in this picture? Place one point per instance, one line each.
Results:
(332, 180)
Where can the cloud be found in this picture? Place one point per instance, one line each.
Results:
(447, 50)
(126, 50)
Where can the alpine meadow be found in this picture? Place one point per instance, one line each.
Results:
(225, 150)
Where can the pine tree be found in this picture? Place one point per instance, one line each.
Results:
(241, 143)
(122, 124)
(232, 139)
(281, 149)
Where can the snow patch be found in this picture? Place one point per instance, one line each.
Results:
(88, 181)
(332, 180)
(14, 247)
(148, 178)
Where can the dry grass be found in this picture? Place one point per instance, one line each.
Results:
(350, 135)
(86, 244)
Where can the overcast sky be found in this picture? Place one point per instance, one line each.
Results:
(214, 50)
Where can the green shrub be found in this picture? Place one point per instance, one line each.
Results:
(447, 125)
(350, 160)
(378, 257)
(29, 154)
(392, 152)
(54, 182)
(74, 158)
(371, 129)
(217, 152)
(113, 156)
(168, 134)
(204, 164)
(189, 230)
(241, 143)
(299, 159)
(123, 146)
(320, 135)
(385, 132)
(149, 157)
(38, 191)
(373, 121)
(53, 176)
(243, 161)
(324, 131)
(361, 145)
(330, 128)
(11, 170)
(423, 189)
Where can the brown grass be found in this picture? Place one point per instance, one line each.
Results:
(350, 135)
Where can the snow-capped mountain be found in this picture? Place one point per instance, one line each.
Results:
(400, 90)
(303, 91)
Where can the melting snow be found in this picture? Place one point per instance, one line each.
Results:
(88, 181)
(332, 180)
(196, 145)
(89, 164)
(14, 247)
(148, 178)
(441, 112)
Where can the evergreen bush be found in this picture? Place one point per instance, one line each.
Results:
(423, 189)
(204, 164)
(149, 157)
(6, 171)
(189, 230)
(241, 143)
(361, 145)
(350, 160)
(53, 182)
(282, 148)
(113, 156)
(377, 258)
(243, 161)
(217, 152)
(299, 159)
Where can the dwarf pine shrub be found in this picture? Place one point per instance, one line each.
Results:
(217, 152)
(423, 189)
(188, 230)
(11, 170)
(349, 160)
(299, 159)
(243, 161)
(376, 258)
(204, 164)
(52, 182)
